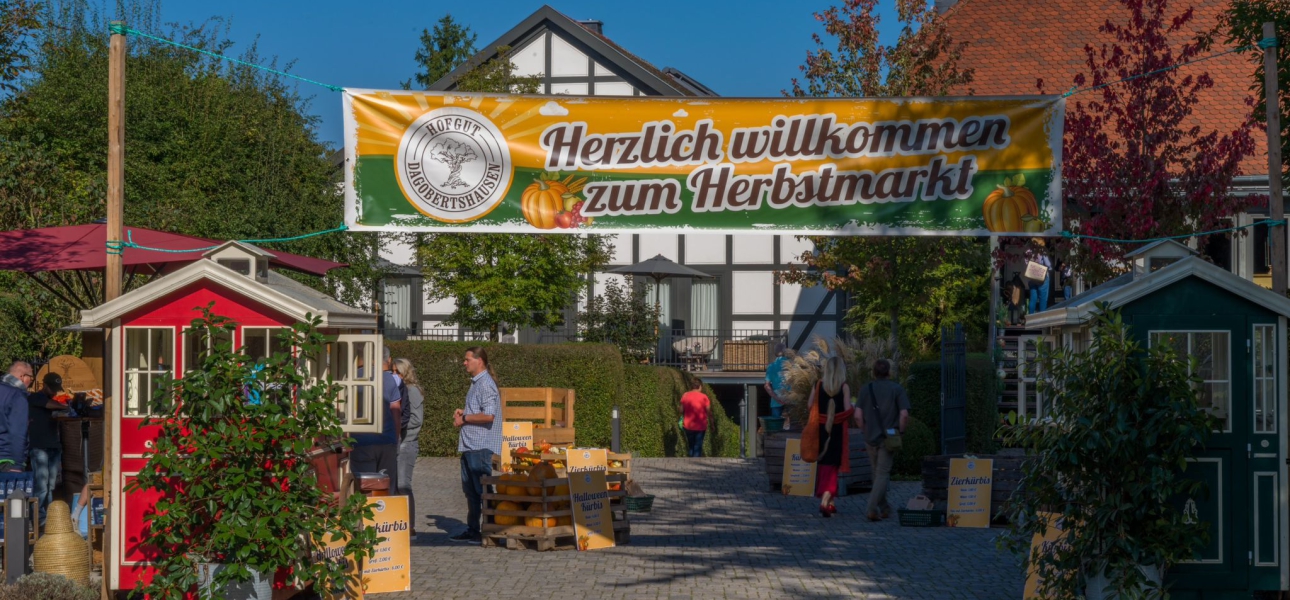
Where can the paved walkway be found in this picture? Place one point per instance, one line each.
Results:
(715, 532)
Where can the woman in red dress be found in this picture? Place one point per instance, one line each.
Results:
(831, 413)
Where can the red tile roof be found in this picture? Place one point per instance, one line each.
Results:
(1013, 43)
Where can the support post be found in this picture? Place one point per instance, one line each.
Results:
(15, 537)
(615, 442)
(112, 276)
(1276, 203)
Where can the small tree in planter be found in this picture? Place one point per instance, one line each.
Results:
(232, 462)
(624, 317)
(1108, 461)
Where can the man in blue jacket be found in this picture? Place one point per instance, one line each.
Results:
(13, 415)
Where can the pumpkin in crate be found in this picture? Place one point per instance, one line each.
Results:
(539, 473)
(564, 521)
(507, 519)
(514, 490)
(538, 521)
(561, 490)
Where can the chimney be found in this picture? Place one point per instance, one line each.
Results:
(944, 5)
(598, 27)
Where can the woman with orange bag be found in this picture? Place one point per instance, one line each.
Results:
(831, 413)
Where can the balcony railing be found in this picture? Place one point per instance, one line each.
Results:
(708, 349)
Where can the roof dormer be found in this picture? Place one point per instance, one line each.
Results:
(1158, 255)
(242, 258)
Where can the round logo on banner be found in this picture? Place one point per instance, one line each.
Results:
(379, 506)
(586, 478)
(454, 164)
(586, 455)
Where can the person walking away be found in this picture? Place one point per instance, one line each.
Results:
(413, 413)
(378, 452)
(775, 380)
(480, 438)
(830, 408)
(1039, 289)
(13, 416)
(882, 414)
(695, 406)
(46, 446)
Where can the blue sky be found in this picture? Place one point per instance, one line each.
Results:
(737, 48)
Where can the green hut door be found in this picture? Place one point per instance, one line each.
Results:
(1238, 363)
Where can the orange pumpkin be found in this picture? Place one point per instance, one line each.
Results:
(1012, 208)
(514, 490)
(539, 473)
(506, 519)
(541, 201)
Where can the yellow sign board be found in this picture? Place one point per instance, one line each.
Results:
(390, 568)
(593, 523)
(333, 549)
(515, 434)
(587, 459)
(799, 475)
(491, 163)
(971, 481)
(1039, 546)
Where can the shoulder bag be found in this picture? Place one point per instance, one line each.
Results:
(891, 438)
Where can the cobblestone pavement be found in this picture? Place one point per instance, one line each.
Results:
(715, 532)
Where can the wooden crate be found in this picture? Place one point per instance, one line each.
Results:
(558, 461)
(560, 537)
(626, 469)
(745, 355)
(860, 479)
(549, 409)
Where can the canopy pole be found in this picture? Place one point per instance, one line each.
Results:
(112, 276)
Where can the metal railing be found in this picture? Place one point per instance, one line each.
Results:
(434, 336)
(707, 349)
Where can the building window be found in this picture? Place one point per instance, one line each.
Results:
(351, 362)
(149, 360)
(197, 347)
(1265, 379)
(1211, 353)
(261, 343)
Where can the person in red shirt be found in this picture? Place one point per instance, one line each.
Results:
(695, 407)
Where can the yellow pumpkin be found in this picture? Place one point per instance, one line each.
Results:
(1012, 208)
(561, 491)
(506, 519)
(541, 201)
(514, 490)
(539, 473)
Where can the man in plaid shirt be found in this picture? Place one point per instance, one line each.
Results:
(481, 437)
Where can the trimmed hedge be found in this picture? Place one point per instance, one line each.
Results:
(648, 397)
(650, 406)
(924, 386)
(917, 442)
(594, 371)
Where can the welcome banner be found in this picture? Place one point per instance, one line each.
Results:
(422, 161)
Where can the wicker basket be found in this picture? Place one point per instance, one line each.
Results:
(61, 550)
(745, 355)
(639, 503)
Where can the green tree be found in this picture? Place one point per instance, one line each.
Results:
(212, 149)
(18, 22)
(1244, 21)
(504, 281)
(622, 316)
(450, 45)
(891, 272)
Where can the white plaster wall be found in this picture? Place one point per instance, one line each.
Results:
(397, 251)
(438, 307)
(602, 280)
(790, 248)
(752, 292)
(758, 326)
(705, 249)
(566, 61)
(615, 88)
(570, 89)
(752, 249)
(824, 329)
(602, 71)
(622, 243)
(531, 58)
(658, 243)
(797, 300)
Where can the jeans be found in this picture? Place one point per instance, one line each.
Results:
(1039, 297)
(475, 465)
(694, 439)
(776, 409)
(407, 461)
(880, 460)
(46, 464)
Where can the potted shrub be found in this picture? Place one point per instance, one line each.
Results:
(241, 503)
(1106, 464)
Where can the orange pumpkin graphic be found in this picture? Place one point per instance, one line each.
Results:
(1012, 208)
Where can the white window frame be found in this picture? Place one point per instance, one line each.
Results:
(1267, 383)
(184, 335)
(1227, 421)
(271, 332)
(361, 413)
(127, 371)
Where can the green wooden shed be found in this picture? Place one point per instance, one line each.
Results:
(1237, 332)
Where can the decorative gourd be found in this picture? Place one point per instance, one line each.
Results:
(506, 519)
(539, 473)
(542, 200)
(1012, 208)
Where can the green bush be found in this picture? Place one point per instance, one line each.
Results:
(924, 387)
(651, 405)
(917, 442)
(46, 586)
(594, 371)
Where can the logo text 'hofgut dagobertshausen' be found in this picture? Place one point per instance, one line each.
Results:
(456, 165)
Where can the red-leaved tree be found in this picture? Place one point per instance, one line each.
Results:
(1136, 163)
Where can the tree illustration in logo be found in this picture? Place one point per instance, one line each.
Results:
(454, 154)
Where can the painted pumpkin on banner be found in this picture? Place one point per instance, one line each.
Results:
(542, 200)
(1012, 208)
